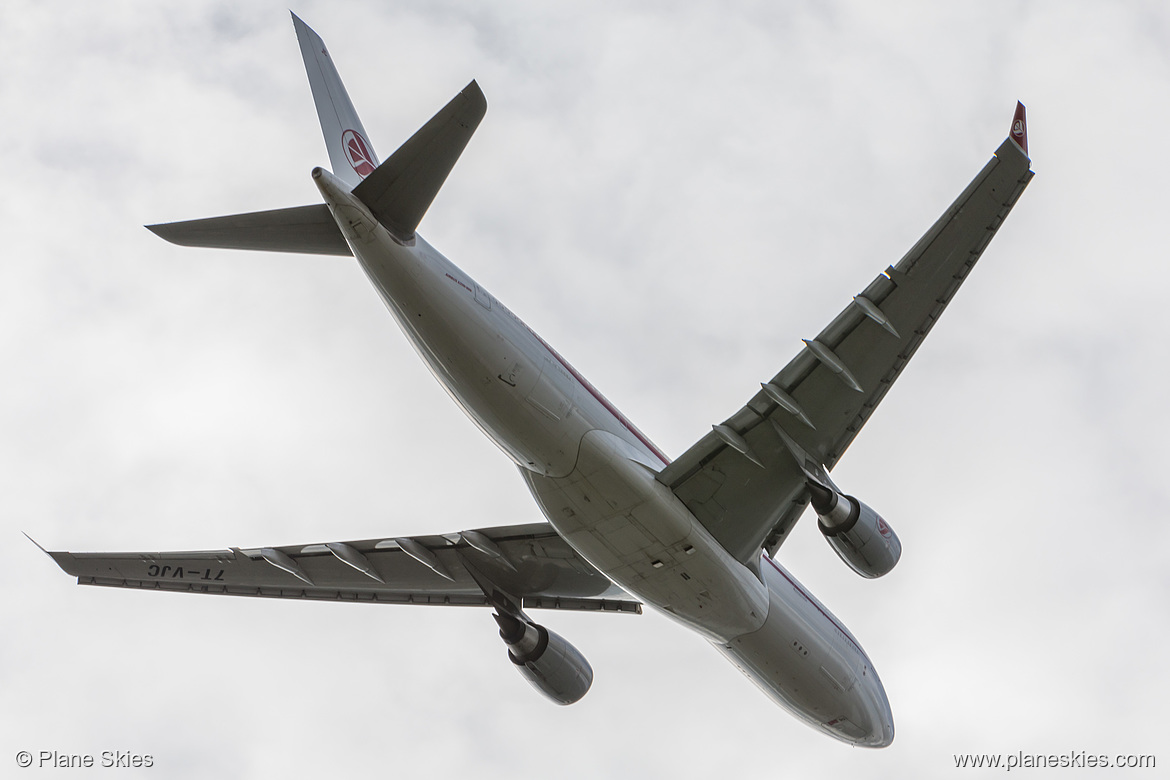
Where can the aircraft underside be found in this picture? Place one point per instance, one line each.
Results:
(694, 537)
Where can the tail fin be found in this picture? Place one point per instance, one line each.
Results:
(400, 191)
(397, 192)
(350, 152)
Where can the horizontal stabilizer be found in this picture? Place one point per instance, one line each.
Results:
(306, 229)
(400, 190)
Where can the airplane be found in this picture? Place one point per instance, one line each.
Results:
(624, 525)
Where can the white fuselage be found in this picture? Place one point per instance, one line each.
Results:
(593, 475)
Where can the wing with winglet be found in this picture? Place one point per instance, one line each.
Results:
(741, 480)
(530, 563)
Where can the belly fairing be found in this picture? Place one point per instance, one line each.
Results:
(629, 526)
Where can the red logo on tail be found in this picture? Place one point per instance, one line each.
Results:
(357, 151)
(1020, 128)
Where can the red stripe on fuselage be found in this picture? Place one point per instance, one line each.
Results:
(621, 418)
(810, 600)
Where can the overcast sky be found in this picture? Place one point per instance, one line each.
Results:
(673, 197)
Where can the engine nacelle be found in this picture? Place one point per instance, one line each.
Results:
(545, 659)
(858, 534)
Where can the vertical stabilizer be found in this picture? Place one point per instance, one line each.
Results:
(350, 152)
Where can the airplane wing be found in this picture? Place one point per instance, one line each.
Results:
(741, 480)
(530, 563)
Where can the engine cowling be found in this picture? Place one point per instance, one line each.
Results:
(858, 534)
(545, 659)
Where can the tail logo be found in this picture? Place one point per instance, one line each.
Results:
(1018, 128)
(357, 151)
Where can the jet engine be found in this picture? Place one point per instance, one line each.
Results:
(545, 659)
(858, 534)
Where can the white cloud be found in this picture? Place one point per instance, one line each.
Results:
(672, 196)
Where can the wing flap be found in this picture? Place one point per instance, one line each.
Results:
(870, 342)
(304, 229)
(530, 562)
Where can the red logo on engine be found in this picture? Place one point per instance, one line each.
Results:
(357, 151)
(883, 529)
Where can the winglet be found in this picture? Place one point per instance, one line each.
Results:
(34, 541)
(59, 558)
(1019, 133)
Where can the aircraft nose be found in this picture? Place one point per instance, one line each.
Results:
(881, 717)
(882, 735)
(871, 723)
